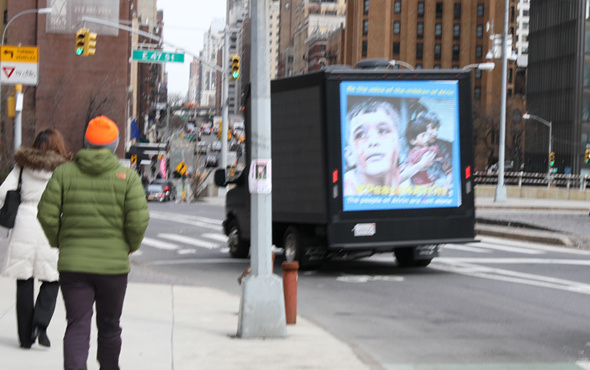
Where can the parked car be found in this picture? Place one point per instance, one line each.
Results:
(167, 186)
(202, 148)
(211, 161)
(216, 146)
(156, 192)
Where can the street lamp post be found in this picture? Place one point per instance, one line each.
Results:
(548, 124)
(17, 128)
(500, 195)
(394, 62)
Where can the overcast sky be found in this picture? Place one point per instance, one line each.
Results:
(185, 23)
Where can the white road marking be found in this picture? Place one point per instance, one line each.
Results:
(182, 219)
(189, 240)
(533, 245)
(461, 247)
(187, 251)
(459, 266)
(507, 248)
(367, 278)
(218, 237)
(159, 244)
(512, 261)
(245, 262)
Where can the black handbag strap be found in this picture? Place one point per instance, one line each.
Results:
(20, 179)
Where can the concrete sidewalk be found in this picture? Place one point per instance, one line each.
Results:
(180, 328)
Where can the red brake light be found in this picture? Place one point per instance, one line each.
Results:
(467, 172)
(166, 188)
(335, 176)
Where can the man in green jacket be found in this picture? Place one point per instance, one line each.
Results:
(94, 210)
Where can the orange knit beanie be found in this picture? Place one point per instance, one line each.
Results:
(102, 132)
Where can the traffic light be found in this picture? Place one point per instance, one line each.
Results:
(235, 67)
(90, 43)
(81, 40)
(587, 156)
(551, 159)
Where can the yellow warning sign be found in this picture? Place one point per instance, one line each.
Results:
(21, 54)
(181, 168)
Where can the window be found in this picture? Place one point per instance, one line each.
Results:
(525, 25)
(586, 76)
(418, 66)
(457, 11)
(455, 67)
(396, 48)
(510, 75)
(419, 50)
(478, 51)
(437, 51)
(437, 66)
(456, 52)
(586, 110)
(479, 30)
(421, 9)
(456, 31)
(511, 14)
(420, 30)
(439, 10)
(480, 10)
(365, 28)
(525, 12)
(366, 7)
(397, 27)
(477, 74)
(438, 30)
(364, 51)
(477, 93)
(397, 6)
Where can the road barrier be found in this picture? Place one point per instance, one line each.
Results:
(521, 179)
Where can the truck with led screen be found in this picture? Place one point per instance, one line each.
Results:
(364, 162)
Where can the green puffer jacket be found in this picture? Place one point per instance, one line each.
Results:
(94, 210)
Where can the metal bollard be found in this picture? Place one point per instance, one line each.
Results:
(290, 290)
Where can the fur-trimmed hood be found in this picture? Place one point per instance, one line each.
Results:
(36, 159)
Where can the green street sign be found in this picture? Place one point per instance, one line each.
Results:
(155, 56)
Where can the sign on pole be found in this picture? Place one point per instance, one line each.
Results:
(156, 56)
(19, 65)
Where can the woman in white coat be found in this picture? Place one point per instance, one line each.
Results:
(29, 255)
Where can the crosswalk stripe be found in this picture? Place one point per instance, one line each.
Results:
(465, 248)
(189, 240)
(506, 248)
(159, 244)
(218, 237)
(183, 220)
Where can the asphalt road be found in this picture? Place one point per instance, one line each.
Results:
(487, 304)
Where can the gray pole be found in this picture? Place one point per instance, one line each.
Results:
(224, 98)
(500, 188)
(18, 116)
(262, 306)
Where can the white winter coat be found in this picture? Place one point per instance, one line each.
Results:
(29, 254)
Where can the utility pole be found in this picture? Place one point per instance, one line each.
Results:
(262, 305)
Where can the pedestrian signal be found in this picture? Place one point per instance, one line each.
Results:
(80, 40)
(235, 67)
(587, 156)
(551, 159)
(90, 43)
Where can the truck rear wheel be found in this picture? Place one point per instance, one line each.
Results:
(405, 258)
(296, 244)
(238, 248)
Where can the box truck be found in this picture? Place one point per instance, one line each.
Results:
(364, 162)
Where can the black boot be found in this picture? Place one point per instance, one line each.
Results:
(43, 339)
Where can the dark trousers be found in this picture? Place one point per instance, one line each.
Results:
(31, 312)
(80, 292)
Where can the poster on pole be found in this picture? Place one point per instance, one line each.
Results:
(260, 177)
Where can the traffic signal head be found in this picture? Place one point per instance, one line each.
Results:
(587, 156)
(551, 159)
(80, 40)
(235, 67)
(90, 43)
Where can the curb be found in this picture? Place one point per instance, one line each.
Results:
(532, 235)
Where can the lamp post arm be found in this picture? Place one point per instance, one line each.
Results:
(16, 16)
(399, 62)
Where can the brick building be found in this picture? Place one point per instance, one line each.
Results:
(72, 89)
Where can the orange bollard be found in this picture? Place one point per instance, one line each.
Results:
(290, 290)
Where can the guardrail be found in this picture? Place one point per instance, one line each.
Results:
(533, 179)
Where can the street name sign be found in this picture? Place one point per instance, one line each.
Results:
(155, 56)
(19, 65)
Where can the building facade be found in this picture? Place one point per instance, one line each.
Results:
(558, 83)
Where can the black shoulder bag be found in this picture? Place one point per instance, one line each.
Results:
(11, 203)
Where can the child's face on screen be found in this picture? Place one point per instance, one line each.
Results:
(375, 142)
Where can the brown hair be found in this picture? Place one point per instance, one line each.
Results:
(51, 140)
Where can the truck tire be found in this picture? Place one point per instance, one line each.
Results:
(296, 244)
(238, 248)
(405, 258)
